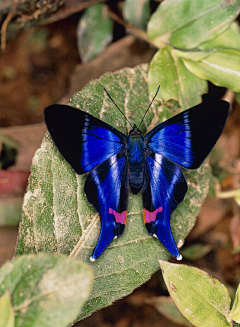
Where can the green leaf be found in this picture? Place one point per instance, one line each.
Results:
(58, 218)
(10, 211)
(166, 306)
(222, 68)
(237, 97)
(185, 24)
(6, 311)
(137, 12)
(176, 81)
(196, 251)
(94, 32)
(202, 299)
(235, 311)
(229, 39)
(47, 289)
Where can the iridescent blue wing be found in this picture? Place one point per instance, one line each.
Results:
(107, 188)
(188, 137)
(83, 140)
(164, 188)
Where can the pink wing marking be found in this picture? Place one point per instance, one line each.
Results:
(119, 217)
(151, 216)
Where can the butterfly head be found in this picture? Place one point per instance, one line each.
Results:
(135, 131)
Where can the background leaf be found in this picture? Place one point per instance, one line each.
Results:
(235, 311)
(94, 32)
(185, 24)
(202, 299)
(47, 289)
(58, 218)
(222, 68)
(229, 39)
(136, 12)
(166, 306)
(176, 81)
(6, 311)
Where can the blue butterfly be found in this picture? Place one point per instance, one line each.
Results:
(150, 164)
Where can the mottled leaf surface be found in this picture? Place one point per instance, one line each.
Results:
(185, 24)
(94, 32)
(58, 218)
(176, 81)
(46, 289)
(202, 299)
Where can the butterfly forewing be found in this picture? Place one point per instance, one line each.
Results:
(188, 137)
(83, 140)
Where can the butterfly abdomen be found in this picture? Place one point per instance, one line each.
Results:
(136, 162)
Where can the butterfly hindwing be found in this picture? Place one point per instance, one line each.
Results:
(107, 188)
(83, 140)
(164, 188)
(188, 137)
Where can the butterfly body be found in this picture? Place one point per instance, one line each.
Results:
(136, 152)
(116, 163)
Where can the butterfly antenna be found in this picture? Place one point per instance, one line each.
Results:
(117, 107)
(149, 106)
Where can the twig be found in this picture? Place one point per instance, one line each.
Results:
(4, 29)
(132, 29)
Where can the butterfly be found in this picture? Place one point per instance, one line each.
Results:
(151, 164)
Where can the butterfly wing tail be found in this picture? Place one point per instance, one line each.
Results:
(164, 188)
(112, 226)
(158, 225)
(107, 189)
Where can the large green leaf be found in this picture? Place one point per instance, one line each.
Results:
(202, 299)
(176, 81)
(58, 218)
(94, 32)
(46, 289)
(185, 24)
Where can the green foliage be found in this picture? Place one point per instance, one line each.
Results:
(166, 306)
(58, 218)
(7, 318)
(202, 299)
(43, 290)
(137, 12)
(186, 24)
(176, 81)
(198, 41)
(94, 32)
(200, 36)
(235, 311)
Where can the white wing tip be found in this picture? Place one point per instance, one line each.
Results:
(179, 257)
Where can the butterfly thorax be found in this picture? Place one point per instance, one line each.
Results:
(135, 159)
